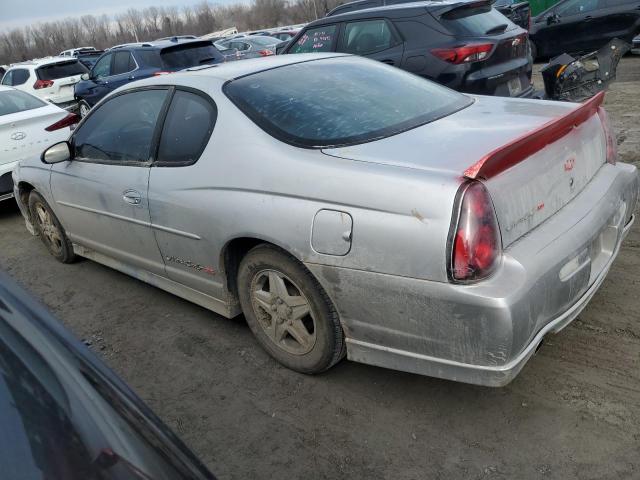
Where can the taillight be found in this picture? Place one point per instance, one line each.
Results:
(161, 72)
(67, 121)
(266, 52)
(475, 244)
(465, 53)
(42, 84)
(612, 144)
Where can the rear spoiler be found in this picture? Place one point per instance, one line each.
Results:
(448, 7)
(526, 145)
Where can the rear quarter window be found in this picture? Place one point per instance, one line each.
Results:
(55, 71)
(340, 101)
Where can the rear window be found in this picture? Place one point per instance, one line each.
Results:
(473, 21)
(264, 41)
(189, 55)
(340, 101)
(15, 101)
(55, 71)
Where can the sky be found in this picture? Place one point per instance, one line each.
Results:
(20, 13)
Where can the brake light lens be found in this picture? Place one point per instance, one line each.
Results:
(266, 52)
(67, 121)
(161, 72)
(40, 84)
(465, 53)
(612, 144)
(476, 244)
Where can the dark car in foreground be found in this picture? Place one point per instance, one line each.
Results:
(126, 63)
(64, 415)
(465, 45)
(579, 26)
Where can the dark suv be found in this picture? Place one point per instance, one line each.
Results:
(577, 26)
(126, 63)
(466, 45)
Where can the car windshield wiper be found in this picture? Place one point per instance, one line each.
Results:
(497, 29)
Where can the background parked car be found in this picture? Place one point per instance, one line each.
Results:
(28, 125)
(89, 57)
(468, 45)
(253, 46)
(515, 10)
(635, 45)
(51, 79)
(285, 35)
(126, 63)
(579, 26)
(65, 415)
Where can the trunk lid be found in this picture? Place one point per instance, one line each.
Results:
(529, 191)
(23, 134)
(64, 75)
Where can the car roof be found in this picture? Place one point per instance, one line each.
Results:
(38, 62)
(414, 7)
(159, 44)
(232, 70)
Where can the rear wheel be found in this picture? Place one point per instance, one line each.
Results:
(288, 311)
(49, 229)
(84, 109)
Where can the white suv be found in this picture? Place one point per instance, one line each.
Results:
(52, 79)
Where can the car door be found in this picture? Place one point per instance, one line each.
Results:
(373, 38)
(322, 38)
(569, 30)
(101, 195)
(100, 74)
(618, 19)
(185, 232)
(122, 70)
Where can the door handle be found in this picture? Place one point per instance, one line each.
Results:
(588, 18)
(132, 197)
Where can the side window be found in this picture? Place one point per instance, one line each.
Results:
(20, 77)
(365, 37)
(103, 67)
(576, 7)
(121, 130)
(320, 39)
(122, 63)
(8, 78)
(187, 128)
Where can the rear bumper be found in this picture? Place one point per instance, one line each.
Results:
(485, 333)
(6, 181)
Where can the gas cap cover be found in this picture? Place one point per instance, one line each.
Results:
(331, 233)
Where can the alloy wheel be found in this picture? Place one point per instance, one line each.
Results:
(283, 312)
(50, 232)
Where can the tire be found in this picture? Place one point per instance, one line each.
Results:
(83, 108)
(275, 311)
(49, 229)
(534, 50)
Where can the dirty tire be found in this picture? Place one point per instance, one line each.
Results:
(83, 109)
(49, 229)
(273, 316)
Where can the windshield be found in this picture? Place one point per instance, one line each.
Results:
(61, 70)
(15, 101)
(189, 55)
(340, 101)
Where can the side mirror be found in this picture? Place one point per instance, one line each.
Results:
(60, 152)
(85, 76)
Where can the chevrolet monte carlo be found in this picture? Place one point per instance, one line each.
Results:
(345, 207)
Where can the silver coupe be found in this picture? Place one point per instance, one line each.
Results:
(346, 208)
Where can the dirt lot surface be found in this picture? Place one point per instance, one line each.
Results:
(574, 411)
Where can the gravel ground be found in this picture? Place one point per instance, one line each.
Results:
(574, 411)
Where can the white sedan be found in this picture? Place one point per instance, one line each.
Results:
(28, 126)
